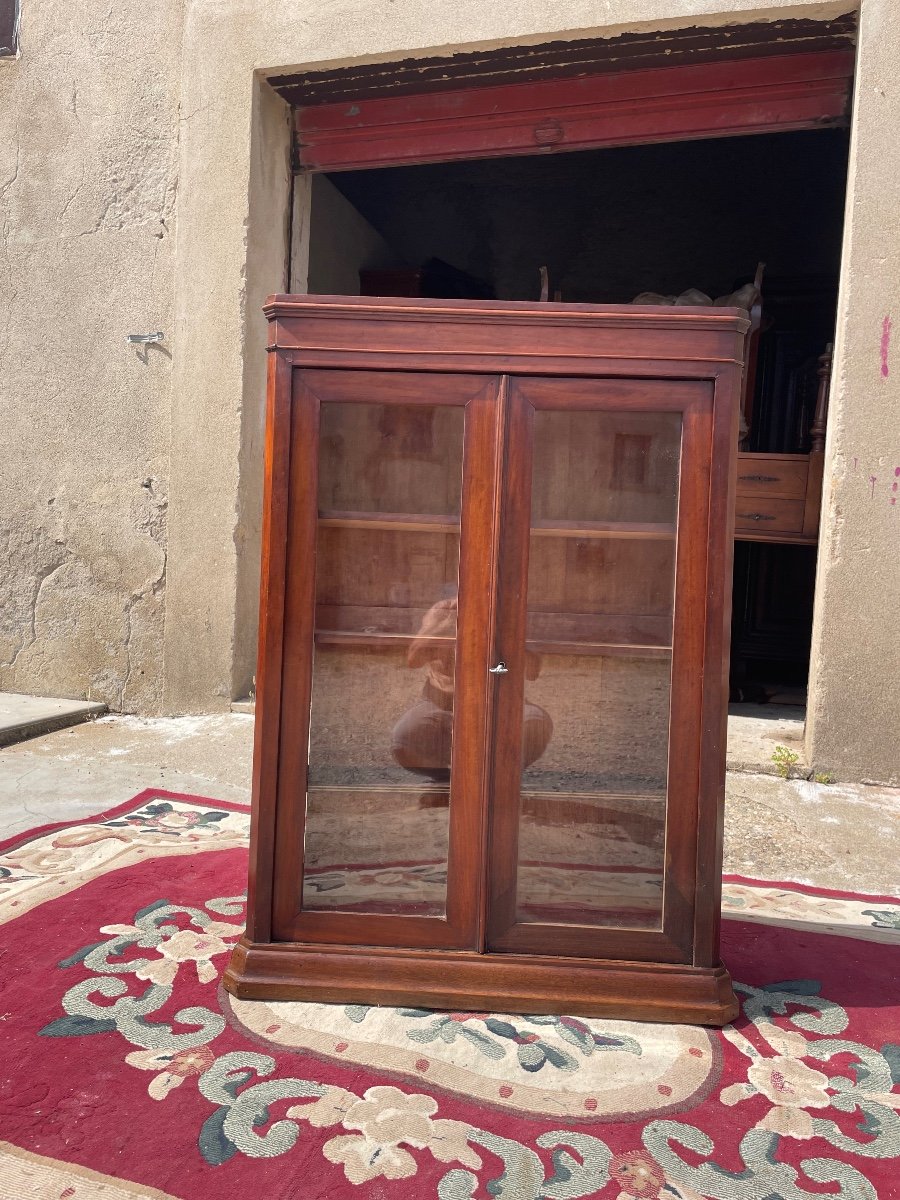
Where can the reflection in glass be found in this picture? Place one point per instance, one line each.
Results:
(377, 815)
(421, 739)
(600, 610)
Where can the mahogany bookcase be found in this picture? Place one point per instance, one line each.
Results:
(492, 688)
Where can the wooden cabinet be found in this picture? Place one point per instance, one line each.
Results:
(779, 492)
(489, 757)
(778, 497)
(785, 403)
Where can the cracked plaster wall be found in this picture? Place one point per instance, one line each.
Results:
(88, 145)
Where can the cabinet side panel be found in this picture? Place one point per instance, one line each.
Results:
(271, 632)
(299, 604)
(720, 554)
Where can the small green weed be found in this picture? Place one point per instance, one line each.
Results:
(824, 777)
(784, 759)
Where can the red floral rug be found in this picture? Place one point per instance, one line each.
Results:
(126, 1071)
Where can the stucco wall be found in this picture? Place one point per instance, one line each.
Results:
(88, 139)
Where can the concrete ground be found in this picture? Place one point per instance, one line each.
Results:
(755, 730)
(838, 835)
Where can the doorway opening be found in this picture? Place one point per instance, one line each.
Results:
(608, 225)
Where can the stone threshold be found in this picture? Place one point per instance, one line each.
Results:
(23, 717)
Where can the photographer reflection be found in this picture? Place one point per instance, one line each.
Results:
(421, 739)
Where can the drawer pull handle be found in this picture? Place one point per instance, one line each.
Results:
(758, 478)
(500, 669)
(756, 517)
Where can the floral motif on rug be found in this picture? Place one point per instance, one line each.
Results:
(128, 1071)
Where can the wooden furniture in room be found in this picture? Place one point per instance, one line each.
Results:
(391, 281)
(434, 278)
(777, 512)
(490, 730)
(779, 496)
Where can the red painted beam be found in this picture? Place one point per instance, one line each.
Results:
(780, 92)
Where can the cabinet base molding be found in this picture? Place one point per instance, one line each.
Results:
(634, 991)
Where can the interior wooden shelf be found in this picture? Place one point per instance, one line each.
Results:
(354, 637)
(604, 649)
(599, 802)
(655, 531)
(623, 635)
(441, 523)
(386, 641)
(409, 522)
(602, 794)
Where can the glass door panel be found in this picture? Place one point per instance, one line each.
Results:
(601, 577)
(582, 804)
(381, 727)
(386, 650)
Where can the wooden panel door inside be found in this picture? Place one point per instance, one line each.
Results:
(384, 686)
(596, 737)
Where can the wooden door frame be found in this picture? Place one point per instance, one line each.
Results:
(631, 107)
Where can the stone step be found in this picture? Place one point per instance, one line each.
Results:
(23, 717)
